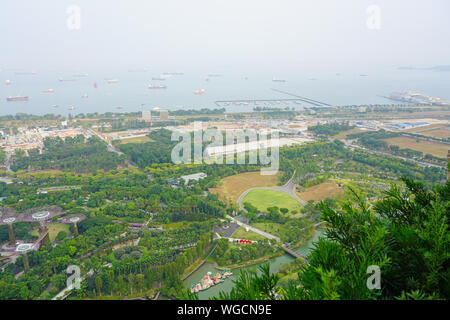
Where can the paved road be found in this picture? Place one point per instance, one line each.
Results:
(288, 188)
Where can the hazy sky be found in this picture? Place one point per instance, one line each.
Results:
(223, 34)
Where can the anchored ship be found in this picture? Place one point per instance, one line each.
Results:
(157, 86)
(17, 98)
(66, 80)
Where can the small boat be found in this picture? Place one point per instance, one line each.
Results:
(278, 80)
(112, 80)
(95, 85)
(84, 96)
(71, 108)
(199, 92)
(55, 106)
(48, 91)
(8, 82)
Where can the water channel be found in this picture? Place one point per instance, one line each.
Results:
(226, 286)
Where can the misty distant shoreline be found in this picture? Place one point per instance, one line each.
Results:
(435, 68)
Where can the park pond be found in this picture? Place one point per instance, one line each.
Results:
(226, 286)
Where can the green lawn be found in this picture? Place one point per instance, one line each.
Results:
(250, 235)
(262, 199)
(269, 227)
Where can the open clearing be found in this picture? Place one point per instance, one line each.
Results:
(269, 227)
(329, 189)
(250, 235)
(233, 186)
(427, 147)
(142, 139)
(262, 199)
(343, 134)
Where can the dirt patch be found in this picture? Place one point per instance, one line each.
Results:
(329, 189)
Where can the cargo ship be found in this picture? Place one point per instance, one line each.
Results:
(17, 98)
(157, 86)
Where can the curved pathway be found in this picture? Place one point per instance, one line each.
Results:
(288, 188)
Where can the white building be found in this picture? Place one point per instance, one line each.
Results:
(195, 177)
(146, 115)
(163, 114)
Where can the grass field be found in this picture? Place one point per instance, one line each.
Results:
(343, 135)
(54, 229)
(250, 235)
(142, 139)
(436, 149)
(262, 199)
(439, 131)
(329, 189)
(173, 225)
(233, 186)
(269, 227)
